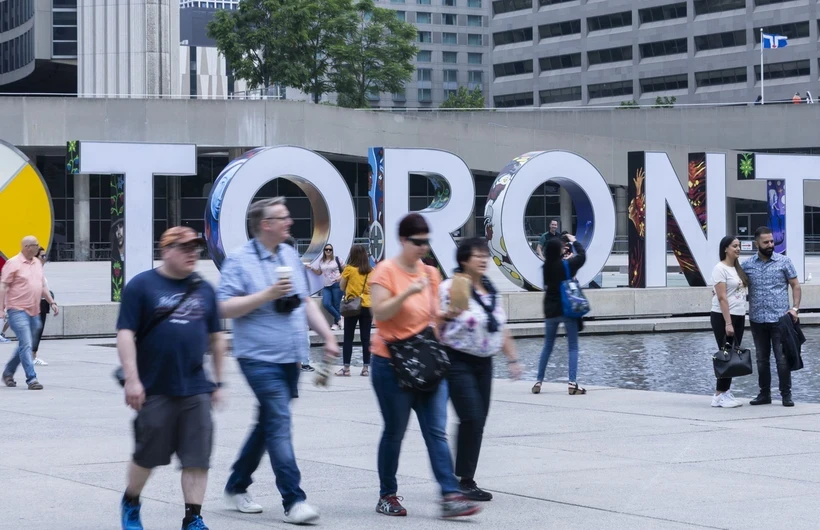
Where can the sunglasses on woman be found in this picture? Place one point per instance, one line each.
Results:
(328, 250)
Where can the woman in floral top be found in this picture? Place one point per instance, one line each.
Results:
(472, 338)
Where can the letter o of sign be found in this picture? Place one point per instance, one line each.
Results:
(507, 200)
(242, 178)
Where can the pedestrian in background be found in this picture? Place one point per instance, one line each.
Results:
(354, 284)
(22, 285)
(45, 309)
(330, 269)
(263, 289)
(554, 274)
(405, 300)
(473, 335)
(728, 310)
(770, 276)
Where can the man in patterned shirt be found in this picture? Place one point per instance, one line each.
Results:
(770, 276)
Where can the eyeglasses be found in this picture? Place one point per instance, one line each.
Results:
(187, 247)
(328, 250)
(419, 242)
(283, 218)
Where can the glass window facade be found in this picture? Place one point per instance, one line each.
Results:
(64, 29)
(15, 13)
(17, 52)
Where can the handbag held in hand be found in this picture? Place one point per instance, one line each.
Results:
(732, 361)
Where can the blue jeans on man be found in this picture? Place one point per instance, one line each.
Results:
(332, 301)
(431, 411)
(25, 327)
(274, 386)
(550, 332)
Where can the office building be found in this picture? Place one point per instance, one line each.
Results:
(591, 52)
(38, 46)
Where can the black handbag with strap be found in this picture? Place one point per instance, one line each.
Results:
(732, 361)
(194, 281)
(420, 362)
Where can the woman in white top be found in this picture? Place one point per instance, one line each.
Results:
(728, 309)
(330, 269)
(472, 338)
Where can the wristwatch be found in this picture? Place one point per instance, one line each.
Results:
(796, 309)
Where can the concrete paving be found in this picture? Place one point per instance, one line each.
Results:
(609, 460)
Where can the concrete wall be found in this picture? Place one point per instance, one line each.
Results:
(486, 141)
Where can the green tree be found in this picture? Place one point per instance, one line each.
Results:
(329, 24)
(665, 102)
(464, 99)
(375, 57)
(263, 41)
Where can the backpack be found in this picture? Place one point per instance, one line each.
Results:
(573, 301)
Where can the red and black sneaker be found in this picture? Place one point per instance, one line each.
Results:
(391, 505)
(455, 505)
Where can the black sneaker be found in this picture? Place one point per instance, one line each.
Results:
(308, 368)
(474, 493)
(761, 399)
(391, 505)
(458, 506)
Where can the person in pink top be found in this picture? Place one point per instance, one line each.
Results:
(22, 285)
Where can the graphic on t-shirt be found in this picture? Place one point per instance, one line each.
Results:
(190, 310)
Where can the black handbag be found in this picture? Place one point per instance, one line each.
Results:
(732, 361)
(419, 362)
(352, 307)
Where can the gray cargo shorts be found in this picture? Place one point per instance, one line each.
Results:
(166, 425)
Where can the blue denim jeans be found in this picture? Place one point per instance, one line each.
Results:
(274, 386)
(431, 411)
(25, 327)
(550, 331)
(332, 301)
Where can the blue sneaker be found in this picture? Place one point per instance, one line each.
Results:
(130, 516)
(196, 524)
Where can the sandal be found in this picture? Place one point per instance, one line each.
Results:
(575, 389)
(344, 372)
(365, 372)
(536, 388)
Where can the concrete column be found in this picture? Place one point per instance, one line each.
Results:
(235, 152)
(174, 202)
(566, 211)
(621, 212)
(82, 217)
(731, 218)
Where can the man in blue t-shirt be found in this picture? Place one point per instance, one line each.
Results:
(168, 320)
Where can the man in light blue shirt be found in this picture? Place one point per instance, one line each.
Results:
(263, 289)
(770, 276)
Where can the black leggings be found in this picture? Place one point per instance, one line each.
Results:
(719, 328)
(365, 320)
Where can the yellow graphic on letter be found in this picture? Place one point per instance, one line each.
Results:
(25, 204)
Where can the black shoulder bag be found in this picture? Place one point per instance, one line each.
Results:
(732, 361)
(194, 281)
(419, 362)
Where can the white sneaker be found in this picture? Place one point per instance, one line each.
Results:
(3, 339)
(334, 327)
(242, 502)
(40, 362)
(301, 513)
(716, 400)
(728, 401)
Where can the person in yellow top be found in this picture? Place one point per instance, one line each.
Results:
(353, 284)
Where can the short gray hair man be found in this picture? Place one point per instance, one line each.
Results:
(258, 210)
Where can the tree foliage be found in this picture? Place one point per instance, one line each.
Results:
(263, 41)
(375, 57)
(464, 99)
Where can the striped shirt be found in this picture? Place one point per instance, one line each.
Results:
(264, 334)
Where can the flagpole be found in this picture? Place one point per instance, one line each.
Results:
(762, 97)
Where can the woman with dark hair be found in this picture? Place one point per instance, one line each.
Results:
(330, 269)
(554, 274)
(45, 309)
(404, 296)
(473, 336)
(728, 310)
(353, 284)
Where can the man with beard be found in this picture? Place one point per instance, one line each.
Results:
(770, 275)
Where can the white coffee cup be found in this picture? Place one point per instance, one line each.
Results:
(284, 272)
